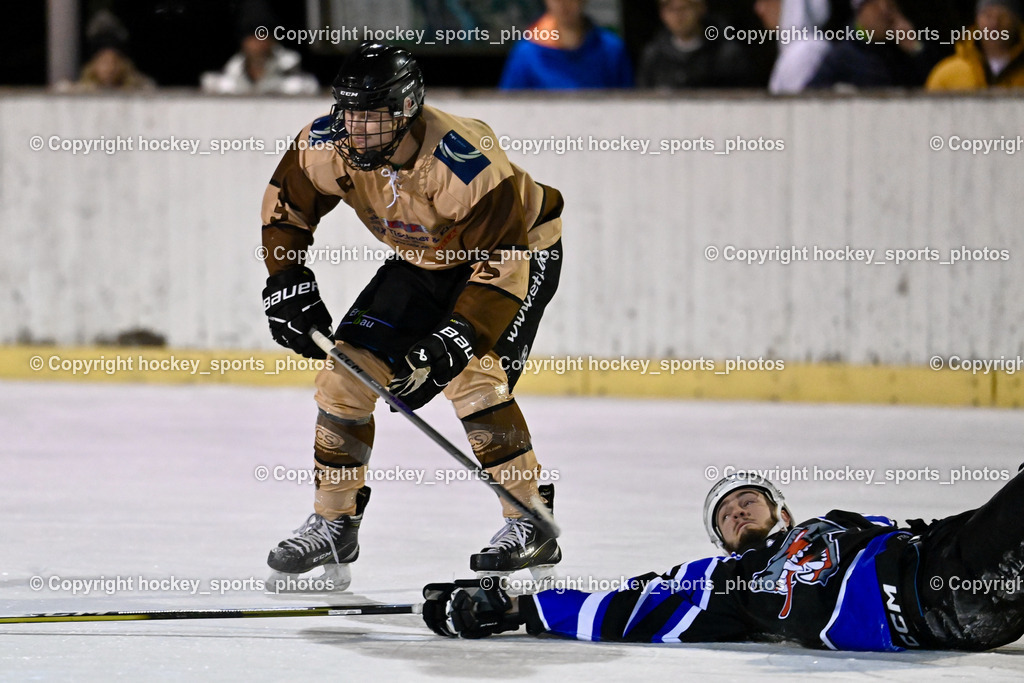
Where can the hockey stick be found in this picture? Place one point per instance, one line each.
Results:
(538, 513)
(275, 612)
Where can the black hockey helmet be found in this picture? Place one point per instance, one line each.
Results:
(376, 77)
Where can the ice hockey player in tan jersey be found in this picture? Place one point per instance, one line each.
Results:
(477, 257)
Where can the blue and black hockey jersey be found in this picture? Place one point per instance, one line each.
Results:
(817, 584)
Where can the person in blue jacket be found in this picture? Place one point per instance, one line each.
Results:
(842, 581)
(565, 50)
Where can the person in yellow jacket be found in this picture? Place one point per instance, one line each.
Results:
(477, 257)
(993, 57)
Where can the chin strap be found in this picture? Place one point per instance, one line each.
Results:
(780, 525)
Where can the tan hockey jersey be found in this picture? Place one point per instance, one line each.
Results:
(451, 203)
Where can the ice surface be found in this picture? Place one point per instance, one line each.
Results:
(156, 482)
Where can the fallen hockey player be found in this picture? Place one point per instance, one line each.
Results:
(842, 581)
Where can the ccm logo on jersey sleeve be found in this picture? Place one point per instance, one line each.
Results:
(899, 624)
(465, 160)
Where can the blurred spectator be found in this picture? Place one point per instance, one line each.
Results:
(567, 51)
(964, 11)
(871, 60)
(109, 67)
(682, 57)
(799, 57)
(262, 66)
(995, 60)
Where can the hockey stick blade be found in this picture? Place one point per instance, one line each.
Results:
(253, 613)
(538, 514)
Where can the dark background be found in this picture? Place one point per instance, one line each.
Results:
(174, 41)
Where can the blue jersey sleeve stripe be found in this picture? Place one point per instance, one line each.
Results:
(560, 610)
(602, 610)
(698, 578)
(540, 612)
(880, 520)
(859, 621)
(681, 571)
(707, 583)
(588, 615)
(645, 602)
(687, 613)
(839, 603)
(676, 626)
(690, 582)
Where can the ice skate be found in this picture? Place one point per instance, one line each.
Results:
(521, 545)
(333, 545)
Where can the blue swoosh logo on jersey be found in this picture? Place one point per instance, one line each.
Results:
(464, 160)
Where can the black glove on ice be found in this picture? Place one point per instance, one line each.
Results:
(466, 609)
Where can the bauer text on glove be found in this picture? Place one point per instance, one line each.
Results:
(292, 303)
(434, 362)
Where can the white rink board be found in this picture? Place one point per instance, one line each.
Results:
(159, 481)
(98, 244)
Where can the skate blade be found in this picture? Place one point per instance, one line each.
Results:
(335, 579)
(545, 575)
(542, 577)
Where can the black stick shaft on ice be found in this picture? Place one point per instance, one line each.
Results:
(257, 612)
(538, 514)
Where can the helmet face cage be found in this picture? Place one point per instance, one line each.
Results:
(742, 480)
(381, 133)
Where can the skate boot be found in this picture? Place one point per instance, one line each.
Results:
(521, 545)
(333, 545)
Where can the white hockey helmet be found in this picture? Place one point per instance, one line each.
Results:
(743, 480)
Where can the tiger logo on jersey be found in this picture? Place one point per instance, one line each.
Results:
(808, 555)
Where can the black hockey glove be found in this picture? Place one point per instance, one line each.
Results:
(434, 362)
(292, 303)
(468, 610)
